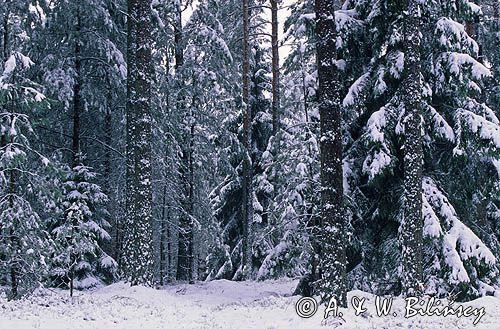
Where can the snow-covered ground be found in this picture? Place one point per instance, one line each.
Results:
(216, 304)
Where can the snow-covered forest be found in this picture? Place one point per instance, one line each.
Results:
(324, 148)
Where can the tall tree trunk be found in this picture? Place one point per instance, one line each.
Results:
(185, 257)
(184, 260)
(333, 222)
(4, 139)
(114, 244)
(76, 93)
(185, 264)
(137, 249)
(170, 253)
(275, 67)
(75, 148)
(247, 161)
(5, 39)
(179, 51)
(14, 240)
(413, 154)
(165, 236)
(163, 225)
(190, 207)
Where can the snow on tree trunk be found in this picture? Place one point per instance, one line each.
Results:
(76, 92)
(247, 203)
(185, 257)
(137, 249)
(411, 230)
(275, 67)
(333, 222)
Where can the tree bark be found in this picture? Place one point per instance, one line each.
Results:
(185, 241)
(76, 93)
(5, 34)
(111, 217)
(333, 222)
(275, 67)
(185, 264)
(413, 154)
(13, 238)
(165, 236)
(4, 139)
(137, 249)
(192, 269)
(179, 51)
(162, 234)
(247, 205)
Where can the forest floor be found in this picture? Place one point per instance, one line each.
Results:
(217, 304)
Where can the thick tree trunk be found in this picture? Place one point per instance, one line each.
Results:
(247, 205)
(275, 67)
(137, 249)
(333, 222)
(413, 155)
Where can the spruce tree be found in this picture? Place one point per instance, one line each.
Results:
(24, 241)
(80, 260)
(228, 194)
(458, 132)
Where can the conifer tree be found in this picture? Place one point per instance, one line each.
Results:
(80, 260)
(458, 130)
(24, 241)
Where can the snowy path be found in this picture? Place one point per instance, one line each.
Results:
(217, 304)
